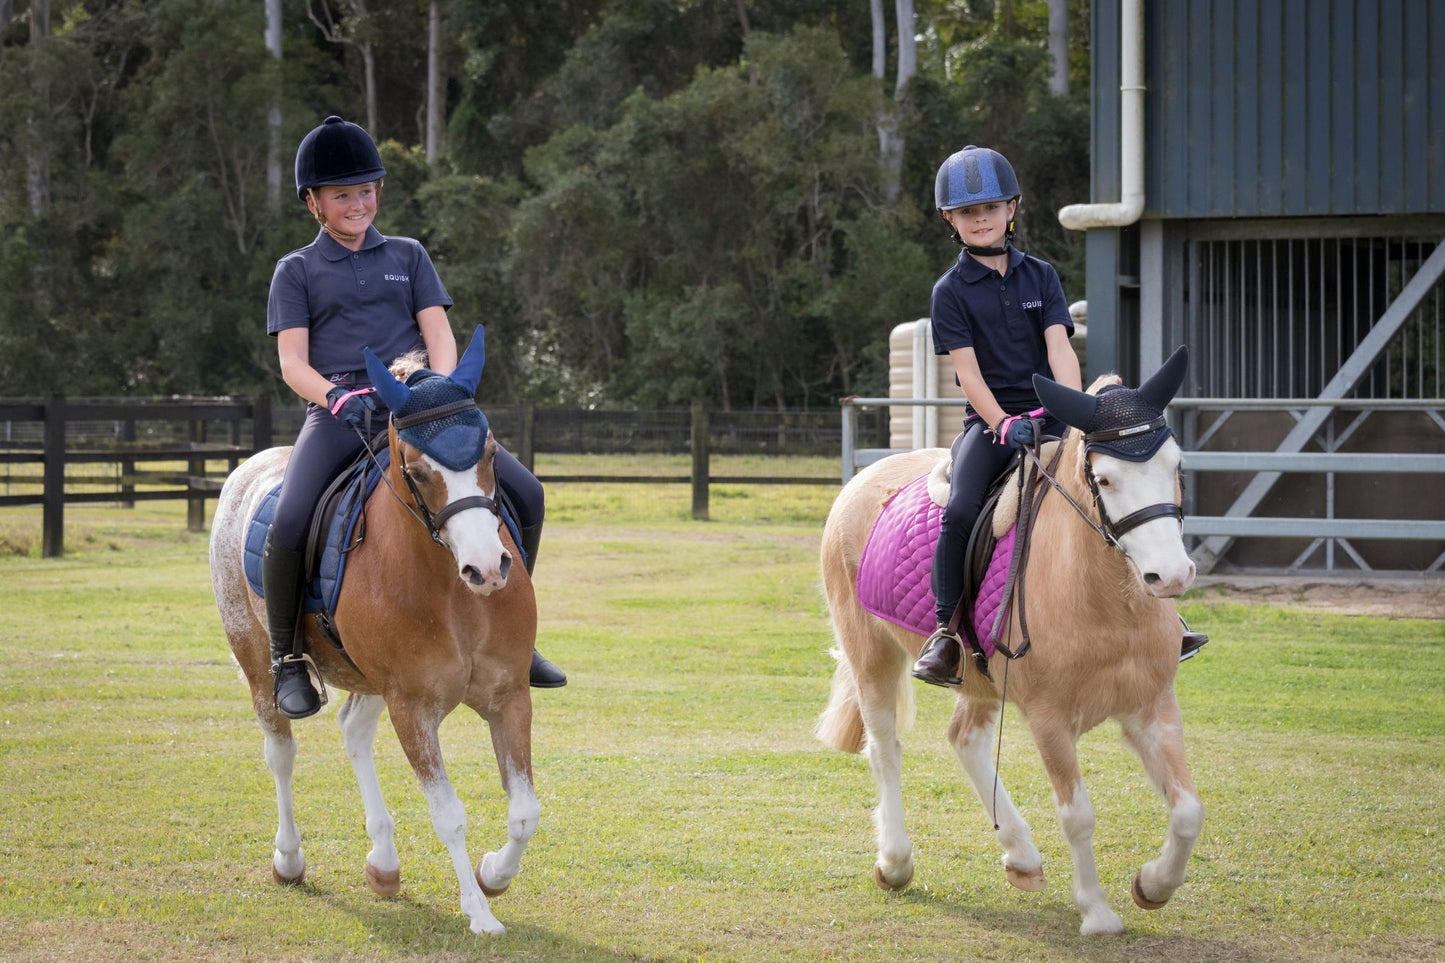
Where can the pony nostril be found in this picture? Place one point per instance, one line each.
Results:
(1151, 578)
(471, 575)
(506, 565)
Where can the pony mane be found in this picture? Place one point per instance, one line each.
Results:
(408, 364)
(1103, 381)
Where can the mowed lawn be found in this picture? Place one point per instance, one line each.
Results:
(687, 811)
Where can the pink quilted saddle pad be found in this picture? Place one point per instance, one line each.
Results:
(894, 574)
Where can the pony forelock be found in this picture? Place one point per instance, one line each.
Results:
(408, 364)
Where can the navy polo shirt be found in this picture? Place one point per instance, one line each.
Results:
(1002, 318)
(354, 299)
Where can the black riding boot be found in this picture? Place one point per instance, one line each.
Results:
(543, 674)
(281, 575)
(1192, 642)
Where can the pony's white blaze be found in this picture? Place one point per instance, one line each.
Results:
(475, 534)
(1156, 548)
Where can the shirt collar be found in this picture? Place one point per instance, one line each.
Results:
(332, 250)
(972, 270)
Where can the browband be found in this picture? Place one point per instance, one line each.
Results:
(1114, 434)
(433, 414)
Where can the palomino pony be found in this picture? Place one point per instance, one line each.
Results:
(1106, 636)
(433, 614)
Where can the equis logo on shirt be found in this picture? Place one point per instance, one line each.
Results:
(1032, 304)
(397, 277)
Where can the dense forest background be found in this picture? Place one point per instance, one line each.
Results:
(647, 202)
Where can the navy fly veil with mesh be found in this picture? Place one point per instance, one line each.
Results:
(1125, 410)
(1127, 423)
(456, 440)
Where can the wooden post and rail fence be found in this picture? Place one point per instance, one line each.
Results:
(201, 432)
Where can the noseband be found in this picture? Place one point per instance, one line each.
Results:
(421, 513)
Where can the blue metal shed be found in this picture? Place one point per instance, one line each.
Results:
(1268, 186)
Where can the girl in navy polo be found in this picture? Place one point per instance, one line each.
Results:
(1001, 317)
(351, 288)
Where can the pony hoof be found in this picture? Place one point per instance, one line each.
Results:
(1142, 901)
(491, 892)
(1030, 881)
(884, 884)
(296, 880)
(383, 884)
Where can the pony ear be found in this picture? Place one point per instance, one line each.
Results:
(393, 392)
(1162, 385)
(1073, 408)
(468, 371)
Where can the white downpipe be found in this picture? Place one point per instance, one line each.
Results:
(930, 387)
(1081, 217)
(921, 354)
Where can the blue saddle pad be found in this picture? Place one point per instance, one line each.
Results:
(324, 589)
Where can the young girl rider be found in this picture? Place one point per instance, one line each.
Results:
(1001, 317)
(351, 288)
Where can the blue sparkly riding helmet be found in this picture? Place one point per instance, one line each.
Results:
(974, 175)
(436, 413)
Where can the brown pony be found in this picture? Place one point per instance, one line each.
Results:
(433, 615)
(1106, 637)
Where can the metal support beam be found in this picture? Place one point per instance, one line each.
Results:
(1354, 368)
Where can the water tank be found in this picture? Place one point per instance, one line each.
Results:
(914, 371)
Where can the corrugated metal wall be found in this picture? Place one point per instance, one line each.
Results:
(1289, 107)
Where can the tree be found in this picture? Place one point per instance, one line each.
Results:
(38, 152)
(692, 250)
(891, 139)
(354, 31)
(273, 120)
(1059, 46)
(434, 93)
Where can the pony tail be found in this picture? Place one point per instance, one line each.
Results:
(841, 724)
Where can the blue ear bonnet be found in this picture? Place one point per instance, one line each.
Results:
(1122, 408)
(457, 440)
(457, 436)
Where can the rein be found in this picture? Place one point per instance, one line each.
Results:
(1039, 479)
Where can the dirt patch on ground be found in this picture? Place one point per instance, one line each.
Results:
(1409, 598)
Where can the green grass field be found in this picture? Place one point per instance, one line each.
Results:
(687, 812)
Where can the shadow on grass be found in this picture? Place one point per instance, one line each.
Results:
(1051, 927)
(406, 926)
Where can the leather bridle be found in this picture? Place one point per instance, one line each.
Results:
(420, 511)
(1038, 479)
(1109, 530)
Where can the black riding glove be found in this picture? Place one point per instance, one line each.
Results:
(1018, 434)
(350, 407)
